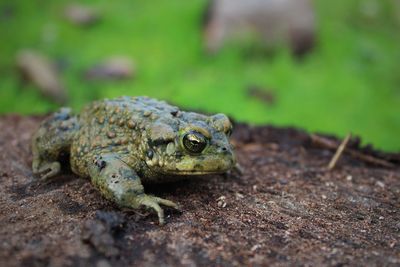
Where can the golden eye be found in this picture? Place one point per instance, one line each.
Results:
(194, 142)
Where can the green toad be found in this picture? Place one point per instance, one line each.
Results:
(122, 142)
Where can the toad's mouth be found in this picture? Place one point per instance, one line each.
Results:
(194, 167)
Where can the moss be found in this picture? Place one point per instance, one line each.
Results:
(350, 82)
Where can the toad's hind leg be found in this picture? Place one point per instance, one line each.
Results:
(53, 138)
(120, 183)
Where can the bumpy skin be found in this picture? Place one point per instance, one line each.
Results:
(123, 142)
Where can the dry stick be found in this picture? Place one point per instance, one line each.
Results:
(339, 152)
(329, 144)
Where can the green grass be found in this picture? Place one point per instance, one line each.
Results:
(350, 83)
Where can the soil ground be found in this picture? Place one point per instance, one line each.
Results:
(285, 209)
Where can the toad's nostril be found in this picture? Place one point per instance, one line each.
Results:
(224, 149)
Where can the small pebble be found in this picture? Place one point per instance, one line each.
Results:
(103, 263)
(238, 195)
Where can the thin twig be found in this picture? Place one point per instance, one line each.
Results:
(339, 152)
(329, 144)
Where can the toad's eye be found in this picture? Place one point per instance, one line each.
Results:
(229, 132)
(194, 142)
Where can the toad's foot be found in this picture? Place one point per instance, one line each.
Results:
(46, 170)
(118, 182)
(154, 203)
(238, 169)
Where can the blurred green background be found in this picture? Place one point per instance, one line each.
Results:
(350, 82)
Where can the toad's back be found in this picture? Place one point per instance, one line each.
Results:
(115, 125)
(142, 108)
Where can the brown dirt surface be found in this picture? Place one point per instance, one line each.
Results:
(286, 209)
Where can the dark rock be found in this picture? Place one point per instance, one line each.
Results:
(81, 15)
(114, 68)
(102, 231)
(284, 210)
(275, 22)
(264, 95)
(38, 69)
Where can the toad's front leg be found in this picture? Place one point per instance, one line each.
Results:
(119, 183)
